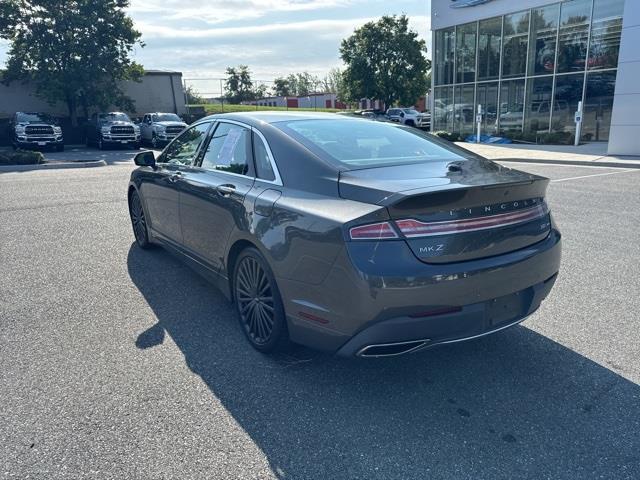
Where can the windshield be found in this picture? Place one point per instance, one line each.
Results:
(410, 111)
(34, 117)
(166, 117)
(115, 117)
(361, 144)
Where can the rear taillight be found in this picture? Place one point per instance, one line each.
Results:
(415, 228)
(373, 231)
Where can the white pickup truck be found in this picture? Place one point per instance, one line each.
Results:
(158, 129)
(409, 116)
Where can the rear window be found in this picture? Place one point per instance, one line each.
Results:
(363, 144)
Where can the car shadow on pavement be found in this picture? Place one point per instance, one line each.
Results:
(514, 405)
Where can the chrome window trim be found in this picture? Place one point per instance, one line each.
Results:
(278, 179)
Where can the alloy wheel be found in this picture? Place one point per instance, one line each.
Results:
(138, 220)
(255, 300)
(154, 141)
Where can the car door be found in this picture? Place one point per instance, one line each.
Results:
(212, 198)
(161, 191)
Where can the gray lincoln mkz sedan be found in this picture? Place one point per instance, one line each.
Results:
(348, 235)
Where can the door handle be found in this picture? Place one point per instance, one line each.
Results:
(226, 190)
(175, 177)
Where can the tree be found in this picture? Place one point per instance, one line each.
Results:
(282, 87)
(334, 83)
(386, 61)
(72, 51)
(239, 86)
(193, 96)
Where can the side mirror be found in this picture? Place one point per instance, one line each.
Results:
(145, 159)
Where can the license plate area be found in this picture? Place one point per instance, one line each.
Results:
(506, 309)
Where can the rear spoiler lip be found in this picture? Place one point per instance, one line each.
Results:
(397, 197)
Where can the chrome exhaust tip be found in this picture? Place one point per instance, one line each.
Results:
(391, 349)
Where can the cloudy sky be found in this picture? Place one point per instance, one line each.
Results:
(274, 37)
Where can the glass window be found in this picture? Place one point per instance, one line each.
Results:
(489, 43)
(466, 53)
(568, 93)
(511, 106)
(364, 144)
(114, 117)
(516, 39)
(166, 117)
(229, 149)
(445, 45)
(605, 34)
(464, 110)
(544, 34)
(443, 109)
(487, 96)
(598, 104)
(263, 163)
(537, 110)
(575, 16)
(182, 151)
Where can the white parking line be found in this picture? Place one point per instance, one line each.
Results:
(562, 165)
(594, 175)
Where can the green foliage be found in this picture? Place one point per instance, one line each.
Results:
(21, 157)
(554, 138)
(193, 96)
(228, 108)
(73, 51)
(452, 137)
(298, 85)
(386, 61)
(239, 87)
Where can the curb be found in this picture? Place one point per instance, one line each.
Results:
(577, 163)
(51, 166)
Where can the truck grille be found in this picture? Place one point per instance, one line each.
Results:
(39, 130)
(122, 130)
(174, 130)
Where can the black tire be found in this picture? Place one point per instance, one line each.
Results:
(410, 123)
(257, 299)
(100, 143)
(154, 142)
(139, 221)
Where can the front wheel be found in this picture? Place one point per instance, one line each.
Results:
(154, 142)
(259, 305)
(101, 144)
(139, 221)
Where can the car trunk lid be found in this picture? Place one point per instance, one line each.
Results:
(456, 211)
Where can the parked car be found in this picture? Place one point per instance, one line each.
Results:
(158, 129)
(410, 117)
(33, 130)
(357, 237)
(110, 129)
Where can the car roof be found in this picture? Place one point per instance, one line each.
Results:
(269, 117)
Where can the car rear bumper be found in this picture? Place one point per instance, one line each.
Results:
(407, 334)
(382, 293)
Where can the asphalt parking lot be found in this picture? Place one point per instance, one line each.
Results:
(122, 363)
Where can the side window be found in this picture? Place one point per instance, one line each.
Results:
(263, 163)
(182, 150)
(229, 149)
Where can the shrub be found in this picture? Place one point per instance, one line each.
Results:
(21, 157)
(452, 137)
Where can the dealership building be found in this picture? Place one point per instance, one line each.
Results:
(530, 62)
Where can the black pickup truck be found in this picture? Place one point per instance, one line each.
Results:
(110, 129)
(30, 130)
